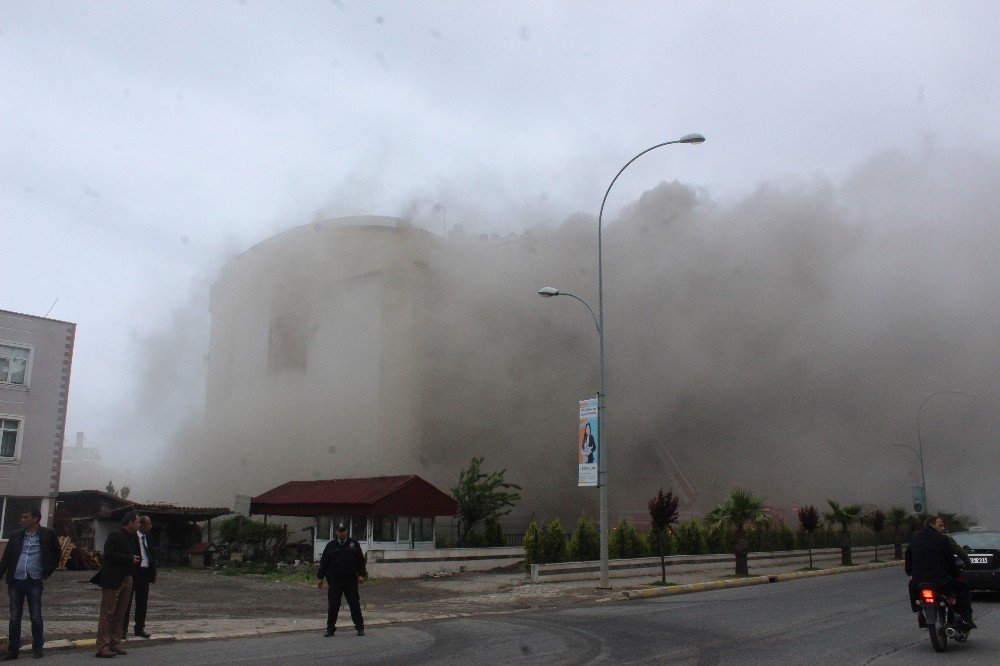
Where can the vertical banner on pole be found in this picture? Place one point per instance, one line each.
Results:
(587, 446)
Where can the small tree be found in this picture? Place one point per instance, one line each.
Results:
(741, 509)
(691, 538)
(259, 538)
(123, 492)
(809, 521)
(876, 521)
(624, 542)
(845, 516)
(897, 518)
(554, 542)
(532, 546)
(662, 514)
(482, 497)
(585, 545)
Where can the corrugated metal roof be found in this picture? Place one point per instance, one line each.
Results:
(106, 505)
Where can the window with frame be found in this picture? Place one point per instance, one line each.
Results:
(11, 510)
(359, 527)
(383, 528)
(323, 530)
(13, 364)
(423, 528)
(10, 432)
(403, 529)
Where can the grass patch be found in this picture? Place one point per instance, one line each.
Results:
(810, 569)
(271, 573)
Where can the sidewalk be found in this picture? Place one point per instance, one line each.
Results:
(190, 605)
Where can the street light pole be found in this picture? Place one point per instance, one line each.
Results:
(920, 446)
(602, 437)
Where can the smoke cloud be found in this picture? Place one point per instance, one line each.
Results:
(782, 341)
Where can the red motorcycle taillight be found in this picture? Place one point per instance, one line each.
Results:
(927, 595)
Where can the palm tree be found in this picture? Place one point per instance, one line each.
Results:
(662, 514)
(876, 521)
(897, 518)
(845, 516)
(741, 509)
(809, 521)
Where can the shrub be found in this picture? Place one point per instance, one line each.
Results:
(554, 542)
(625, 542)
(494, 534)
(532, 546)
(586, 542)
(691, 538)
(669, 542)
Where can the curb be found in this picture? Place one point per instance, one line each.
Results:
(650, 592)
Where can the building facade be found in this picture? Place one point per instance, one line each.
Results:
(36, 355)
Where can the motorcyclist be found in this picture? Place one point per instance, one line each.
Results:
(930, 559)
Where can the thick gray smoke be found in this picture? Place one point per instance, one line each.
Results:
(783, 341)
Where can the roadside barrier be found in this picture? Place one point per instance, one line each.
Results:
(641, 566)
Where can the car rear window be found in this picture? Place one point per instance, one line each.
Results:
(978, 540)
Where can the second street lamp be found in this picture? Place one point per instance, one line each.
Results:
(920, 445)
(602, 438)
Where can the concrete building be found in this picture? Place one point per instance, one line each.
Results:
(313, 344)
(36, 355)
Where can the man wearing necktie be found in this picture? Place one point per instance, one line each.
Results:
(343, 567)
(143, 576)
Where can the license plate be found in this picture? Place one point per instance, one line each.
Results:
(981, 559)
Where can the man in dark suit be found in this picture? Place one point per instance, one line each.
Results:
(343, 567)
(31, 555)
(115, 578)
(143, 575)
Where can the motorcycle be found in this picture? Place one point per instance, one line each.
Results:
(942, 622)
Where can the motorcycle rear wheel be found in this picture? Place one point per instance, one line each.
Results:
(939, 639)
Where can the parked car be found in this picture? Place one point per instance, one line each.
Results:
(984, 552)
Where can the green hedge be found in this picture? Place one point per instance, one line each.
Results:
(550, 543)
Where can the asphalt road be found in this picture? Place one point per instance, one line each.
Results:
(858, 618)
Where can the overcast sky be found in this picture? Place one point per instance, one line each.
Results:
(144, 143)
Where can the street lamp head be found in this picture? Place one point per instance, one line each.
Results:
(548, 292)
(693, 139)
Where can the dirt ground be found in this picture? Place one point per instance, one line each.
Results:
(186, 594)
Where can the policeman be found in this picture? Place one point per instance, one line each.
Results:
(343, 567)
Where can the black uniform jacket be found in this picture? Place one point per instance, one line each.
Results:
(116, 562)
(342, 561)
(929, 558)
(47, 542)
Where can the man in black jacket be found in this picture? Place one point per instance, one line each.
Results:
(143, 576)
(115, 578)
(343, 566)
(31, 555)
(931, 560)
